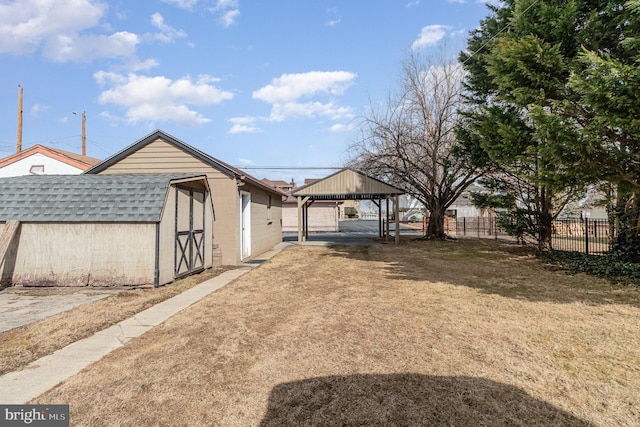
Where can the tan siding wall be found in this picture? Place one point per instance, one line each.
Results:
(265, 233)
(68, 254)
(226, 233)
(162, 157)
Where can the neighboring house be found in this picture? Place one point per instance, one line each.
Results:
(104, 230)
(41, 160)
(247, 212)
(463, 206)
(324, 215)
(592, 206)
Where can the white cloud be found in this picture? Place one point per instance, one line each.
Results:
(335, 20)
(228, 11)
(160, 99)
(281, 112)
(245, 162)
(430, 35)
(167, 33)
(243, 125)
(461, 1)
(340, 127)
(285, 94)
(25, 25)
(137, 65)
(56, 26)
(38, 108)
(72, 30)
(414, 3)
(290, 87)
(225, 4)
(63, 48)
(182, 4)
(229, 18)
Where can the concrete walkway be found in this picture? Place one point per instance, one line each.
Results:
(43, 374)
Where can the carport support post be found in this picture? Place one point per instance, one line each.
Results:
(387, 214)
(396, 211)
(301, 204)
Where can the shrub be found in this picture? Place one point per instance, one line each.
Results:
(608, 266)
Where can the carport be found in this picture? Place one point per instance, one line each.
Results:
(348, 184)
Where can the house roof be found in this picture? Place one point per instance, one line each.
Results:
(86, 198)
(76, 160)
(277, 183)
(202, 156)
(347, 184)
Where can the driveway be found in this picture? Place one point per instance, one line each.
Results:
(20, 306)
(352, 233)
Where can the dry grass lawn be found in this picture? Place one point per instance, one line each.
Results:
(428, 333)
(22, 346)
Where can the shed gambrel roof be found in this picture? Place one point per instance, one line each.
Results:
(347, 184)
(202, 156)
(86, 198)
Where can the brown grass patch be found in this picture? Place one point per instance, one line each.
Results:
(428, 333)
(23, 345)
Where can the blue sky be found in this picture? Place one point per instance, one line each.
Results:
(253, 83)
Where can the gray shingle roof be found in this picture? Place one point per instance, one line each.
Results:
(85, 198)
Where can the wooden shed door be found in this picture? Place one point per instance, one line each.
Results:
(189, 245)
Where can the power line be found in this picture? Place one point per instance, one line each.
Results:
(499, 32)
(289, 167)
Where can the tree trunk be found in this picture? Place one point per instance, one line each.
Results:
(546, 220)
(435, 229)
(627, 246)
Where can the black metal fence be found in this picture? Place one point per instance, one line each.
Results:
(590, 236)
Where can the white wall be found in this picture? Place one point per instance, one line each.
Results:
(51, 166)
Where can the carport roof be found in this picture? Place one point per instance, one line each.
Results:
(86, 198)
(347, 184)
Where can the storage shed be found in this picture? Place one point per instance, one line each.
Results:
(104, 230)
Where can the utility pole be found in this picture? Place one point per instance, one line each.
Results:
(84, 134)
(19, 138)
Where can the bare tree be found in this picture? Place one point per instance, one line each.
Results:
(411, 141)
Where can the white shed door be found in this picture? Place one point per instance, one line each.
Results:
(245, 225)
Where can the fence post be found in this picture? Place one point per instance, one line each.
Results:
(464, 226)
(586, 235)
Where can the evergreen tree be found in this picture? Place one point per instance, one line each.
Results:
(531, 76)
(607, 85)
